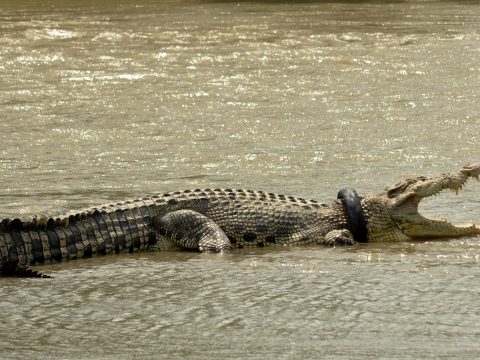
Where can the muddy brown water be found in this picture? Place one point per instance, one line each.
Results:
(103, 101)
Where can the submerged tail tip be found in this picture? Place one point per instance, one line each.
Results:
(21, 271)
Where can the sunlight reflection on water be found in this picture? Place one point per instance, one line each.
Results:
(102, 102)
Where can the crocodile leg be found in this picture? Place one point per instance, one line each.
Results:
(339, 238)
(192, 230)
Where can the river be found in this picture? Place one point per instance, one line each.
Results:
(108, 100)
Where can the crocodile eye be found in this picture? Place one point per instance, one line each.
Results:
(397, 189)
(391, 193)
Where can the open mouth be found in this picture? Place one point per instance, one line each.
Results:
(416, 225)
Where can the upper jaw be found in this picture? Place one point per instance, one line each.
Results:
(424, 187)
(407, 195)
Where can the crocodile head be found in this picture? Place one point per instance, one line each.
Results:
(400, 220)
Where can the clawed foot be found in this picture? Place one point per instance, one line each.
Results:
(339, 238)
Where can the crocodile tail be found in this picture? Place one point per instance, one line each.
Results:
(113, 228)
(28, 273)
(16, 250)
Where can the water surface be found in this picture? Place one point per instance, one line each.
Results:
(103, 101)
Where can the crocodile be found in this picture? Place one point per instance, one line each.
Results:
(219, 220)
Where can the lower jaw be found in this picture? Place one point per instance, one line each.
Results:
(452, 232)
